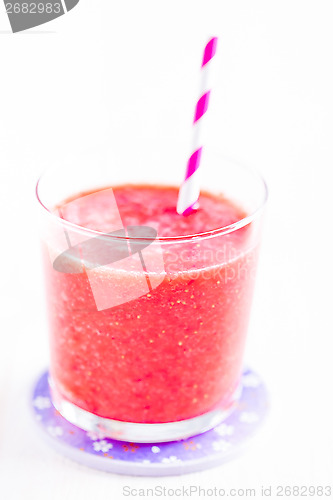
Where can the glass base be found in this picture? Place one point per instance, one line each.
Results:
(136, 432)
(198, 453)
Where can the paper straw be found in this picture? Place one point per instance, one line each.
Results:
(189, 191)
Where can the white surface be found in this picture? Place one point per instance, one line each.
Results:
(126, 73)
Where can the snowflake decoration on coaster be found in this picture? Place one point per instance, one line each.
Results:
(224, 430)
(55, 431)
(103, 446)
(42, 403)
(95, 436)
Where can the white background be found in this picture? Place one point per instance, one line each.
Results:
(126, 74)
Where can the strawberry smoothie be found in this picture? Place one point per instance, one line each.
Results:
(173, 353)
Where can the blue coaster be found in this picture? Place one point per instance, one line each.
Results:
(162, 459)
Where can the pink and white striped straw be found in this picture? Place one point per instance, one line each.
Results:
(189, 191)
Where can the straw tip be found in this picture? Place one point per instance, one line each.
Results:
(189, 210)
(213, 40)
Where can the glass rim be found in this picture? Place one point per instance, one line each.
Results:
(230, 228)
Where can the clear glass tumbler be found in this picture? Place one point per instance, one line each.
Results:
(147, 333)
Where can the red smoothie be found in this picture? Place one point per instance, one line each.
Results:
(173, 353)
